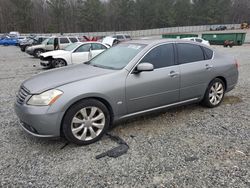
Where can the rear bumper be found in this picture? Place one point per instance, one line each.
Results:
(30, 52)
(37, 121)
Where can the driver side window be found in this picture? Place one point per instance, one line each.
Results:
(161, 56)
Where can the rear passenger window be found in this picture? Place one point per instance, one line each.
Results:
(208, 53)
(188, 53)
(83, 48)
(161, 56)
(96, 46)
(64, 40)
(73, 39)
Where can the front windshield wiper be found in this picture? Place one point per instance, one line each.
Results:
(104, 67)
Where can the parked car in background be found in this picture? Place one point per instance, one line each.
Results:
(219, 28)
(122, 37)
(135, 77)
(110, 41)
(21, 39)
(14, 34)
(8, 41)
(31, 41)
(197, 39)
(74, 53)
(49, 45)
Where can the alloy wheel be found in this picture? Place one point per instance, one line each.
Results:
(88, 123)
(216, 93)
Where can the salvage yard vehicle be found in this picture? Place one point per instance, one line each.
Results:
(122, 37)
(31, 41)
(110, 41)
(80, 102)
(197, 39)
(75, 53)
(48, 45)
(219, 28)
(8, 41)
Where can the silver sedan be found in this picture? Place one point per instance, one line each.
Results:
(80, 102)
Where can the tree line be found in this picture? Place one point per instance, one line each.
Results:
(68, 16)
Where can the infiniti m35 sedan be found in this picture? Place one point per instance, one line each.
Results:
(80, 102)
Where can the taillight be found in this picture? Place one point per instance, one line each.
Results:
(236, 64)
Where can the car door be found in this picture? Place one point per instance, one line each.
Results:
(195, 70)
(147, 90)
(81, 54)
(50, 44)
(96, 49)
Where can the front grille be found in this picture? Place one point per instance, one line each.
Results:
(22, 94)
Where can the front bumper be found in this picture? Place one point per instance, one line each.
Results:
(37, 121)
(45, 63)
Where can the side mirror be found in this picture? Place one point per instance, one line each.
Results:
(142, 67)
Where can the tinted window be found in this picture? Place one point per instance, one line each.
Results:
(119, 36)
(161, 56)
(208, 53)
(198, 40)
(96, 46)
(50, 41)
(188, 53)
(64, 40)
(83, 48)
(127, 36)
(73, 39)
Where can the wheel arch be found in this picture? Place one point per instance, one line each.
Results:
(223, 79)
(59, 57)
(102, 100)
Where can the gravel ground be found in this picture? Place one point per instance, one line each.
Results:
(189, 146)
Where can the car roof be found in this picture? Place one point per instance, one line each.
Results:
(153, 42)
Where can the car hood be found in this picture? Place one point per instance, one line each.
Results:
(54, 53)
(61, 76)
(108, 40)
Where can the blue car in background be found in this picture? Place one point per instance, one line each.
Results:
(8, 41)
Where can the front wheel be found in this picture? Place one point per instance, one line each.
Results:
(86, 122)
(58, 63)
(214, 94)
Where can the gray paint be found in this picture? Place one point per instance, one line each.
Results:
(127, 93)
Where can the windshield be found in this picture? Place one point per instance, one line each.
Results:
(71, 47)
(117, 57)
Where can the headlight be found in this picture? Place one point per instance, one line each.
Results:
(46, 98)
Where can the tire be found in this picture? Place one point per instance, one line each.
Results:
(56, 63)
(214, 94)
(80, 118)
(38, 52)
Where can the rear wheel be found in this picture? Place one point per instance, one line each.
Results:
(214, 94)
(58, 63)
(86, 122)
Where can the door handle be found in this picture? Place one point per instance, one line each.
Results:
(173, 74)
(208, 66)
